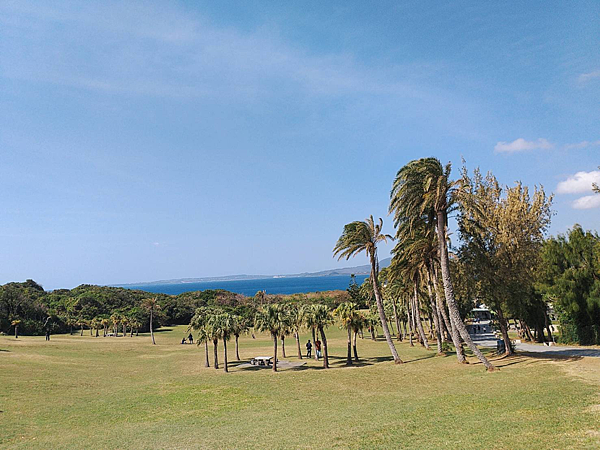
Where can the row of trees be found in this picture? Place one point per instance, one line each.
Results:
(501, 259)
(280, 320)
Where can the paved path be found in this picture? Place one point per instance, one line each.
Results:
(489, 340)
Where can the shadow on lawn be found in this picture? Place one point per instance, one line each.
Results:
(523, 358)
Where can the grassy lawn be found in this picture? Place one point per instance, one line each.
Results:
(125, 393)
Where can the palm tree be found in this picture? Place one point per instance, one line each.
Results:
(358, 322)
(104, 321)
(322, 318)
(309, 321)
(15, 323)
(226, 324)
(151, 305)
(421, 189)
(199, 323)
(297, 318)
(347, 312)
(239, 326)
(364, 236)
(202, 338)
(115, 319)
(271, 318)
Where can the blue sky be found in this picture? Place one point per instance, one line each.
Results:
(144, 141)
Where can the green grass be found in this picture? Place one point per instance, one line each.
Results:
(125, 393)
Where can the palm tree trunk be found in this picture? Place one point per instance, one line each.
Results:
(438, 333)
(151, 330)
(297, 336)
(96, 332)
(314, 340)
(397, 320)
(449, 291)
(225, 369)
(325, 352)
(349, 355)
(354, 347)
(16, 331)
(237, 347)
(460, 353)
(379, 301)
(372, 331)
(215, 353)
(410, 322)
(283, 346)
(504, 329)
(274, 352)
(206, 361)
(548, 327)
(403, 330)
(418, 319)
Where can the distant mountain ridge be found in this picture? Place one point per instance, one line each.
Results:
(357, 270)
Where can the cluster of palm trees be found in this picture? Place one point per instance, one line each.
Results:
(120, 323)
(280, 320)
(421, 198)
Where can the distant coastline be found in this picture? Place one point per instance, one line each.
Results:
(346, 272)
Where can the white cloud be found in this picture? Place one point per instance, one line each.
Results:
(587, 202)
(583, 144)
(585, 77)
(578, 183)
(521, 144)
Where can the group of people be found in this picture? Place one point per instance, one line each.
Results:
(309, 347)
(189, 338)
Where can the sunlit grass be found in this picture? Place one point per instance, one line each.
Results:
(125, 393)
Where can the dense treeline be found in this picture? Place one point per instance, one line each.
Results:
(34, 311)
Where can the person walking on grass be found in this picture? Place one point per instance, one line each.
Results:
(309, 349)
(318, 348)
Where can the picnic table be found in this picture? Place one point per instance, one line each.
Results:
(261, 360)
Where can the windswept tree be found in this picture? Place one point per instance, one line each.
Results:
(347, 313)
(105, 322)
(199, 324)
(360, 237)
(423, 188)
(271, 319)
(502, 229)
(151, 305)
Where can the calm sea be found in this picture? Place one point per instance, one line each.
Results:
(251, 287)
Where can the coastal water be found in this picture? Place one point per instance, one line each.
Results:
(290, 285)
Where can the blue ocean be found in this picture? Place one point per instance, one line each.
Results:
(290, 285)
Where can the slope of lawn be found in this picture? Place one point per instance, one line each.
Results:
(78, 392)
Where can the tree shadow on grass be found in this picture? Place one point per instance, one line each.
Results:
(3, 350)
(526, 359)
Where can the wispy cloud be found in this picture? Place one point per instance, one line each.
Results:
(520, 145)
(585, 77)
(583, 144)
(579, 183)
(587, 202)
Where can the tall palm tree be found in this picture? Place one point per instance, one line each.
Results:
(115, 319)
(322, 318)
(423, 188)
(271, 318)
(151, 305)
(365, 236)
(347, 313)
(202, 338)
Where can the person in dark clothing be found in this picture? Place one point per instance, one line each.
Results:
(183, 341)
(191, 338)
(47, 334)
(318, 348)
(308, 349)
